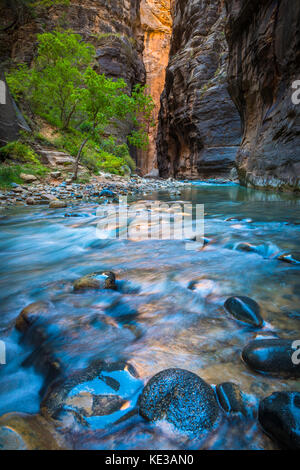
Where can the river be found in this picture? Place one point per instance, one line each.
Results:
(167, 311)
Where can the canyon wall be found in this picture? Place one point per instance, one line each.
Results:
(156, 22)
(199, 126)
(264, 60)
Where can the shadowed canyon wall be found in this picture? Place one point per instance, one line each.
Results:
(264, 43)
(199, 128)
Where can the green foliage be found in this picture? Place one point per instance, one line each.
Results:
(119, 150)
(57, 73)
(44, 3)
(141, 112)
(22, 154)
(9, 174)
(63, 88)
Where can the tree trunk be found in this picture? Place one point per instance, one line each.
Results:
(78, 158)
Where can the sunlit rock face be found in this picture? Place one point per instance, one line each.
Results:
(199, 126)
(156, 22)
(264, 61)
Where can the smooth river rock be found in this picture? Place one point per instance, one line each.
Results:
(244, 309)
(279, 415)
(181, 398)
(101, 280)
(272, 356)
(231, 398)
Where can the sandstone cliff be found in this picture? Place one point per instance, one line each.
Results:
(199, 128)
(264, 60)
(156, 22)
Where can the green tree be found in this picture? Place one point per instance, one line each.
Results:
(50, 85)
(101, 100)
(62, 87)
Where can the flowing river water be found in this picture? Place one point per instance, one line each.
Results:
(167, 311)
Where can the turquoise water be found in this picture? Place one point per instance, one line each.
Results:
(155, 320)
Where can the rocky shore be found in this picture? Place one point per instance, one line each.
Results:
(58, 192)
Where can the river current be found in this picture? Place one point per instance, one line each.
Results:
(167, 311)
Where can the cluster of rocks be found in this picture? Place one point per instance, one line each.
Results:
(57, 193)
(190, 404)
(178, 396)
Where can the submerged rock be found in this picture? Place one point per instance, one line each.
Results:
(20, 431)
(244, 246)
(231, 398)
(272, 356)
(245, 310)
(291, 258)
(100, 389)
(30, 314)
(101, 280)
(107, 193)
(182, 398)
(279, 415)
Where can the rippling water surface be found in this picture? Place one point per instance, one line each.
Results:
(167, 312)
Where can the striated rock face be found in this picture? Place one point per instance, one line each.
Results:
(156, 22)
(264, 60)
(199, 128)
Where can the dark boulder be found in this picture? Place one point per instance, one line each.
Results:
(182, 398)
(231, 398)
(279, 415)
(245, 310)
(272, 356)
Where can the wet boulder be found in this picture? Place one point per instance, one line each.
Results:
(181, 398)
(99, 280)
(245, 310)
(30, 314)
(231, 398)
(272, 356)
(57, 204)
(102, 392)
(20, 431)
(279, 415)
(291, 258)
(244, 246)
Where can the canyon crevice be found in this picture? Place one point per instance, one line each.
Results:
(156, 22)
